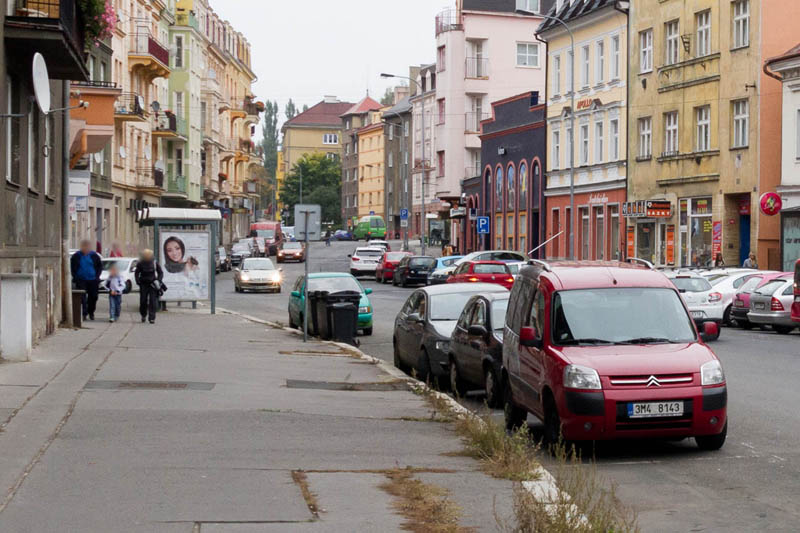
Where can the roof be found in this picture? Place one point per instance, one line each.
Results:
(366, 105)
(789, 54)
(567, 275)
(461, 288)
(495, 6)
(571, 11)
(321, 114)
(403, 106)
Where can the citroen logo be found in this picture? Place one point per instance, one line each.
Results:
(652, 381)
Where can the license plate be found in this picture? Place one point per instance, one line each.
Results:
(655, 409)
(698, 314)
(760, 306)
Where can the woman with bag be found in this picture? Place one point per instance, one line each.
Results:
(149, 277)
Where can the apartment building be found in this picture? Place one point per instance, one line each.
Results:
(397, 162)
(371, 169)
(353, 120)
(704, 123)
(596, 172)
(486, 51)
(423, 102)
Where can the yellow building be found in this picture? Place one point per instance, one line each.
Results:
(371, 171)
(316, 130)
(280, 177)
(599, 71)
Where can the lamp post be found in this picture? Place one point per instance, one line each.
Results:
(572, 127)
(424, 166)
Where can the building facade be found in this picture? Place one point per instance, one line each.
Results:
(352, 121)
(595, 179)
(703, 123)
(513, 144)
(423, 101)
(397, 159)
(371, 169)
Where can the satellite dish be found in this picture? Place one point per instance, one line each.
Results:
(159, 166)
(98, 158)
(148, 154)
(122, 153)
(155, 106)
(140, 100)
(41, 83)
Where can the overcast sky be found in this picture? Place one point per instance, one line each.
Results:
(305, 50)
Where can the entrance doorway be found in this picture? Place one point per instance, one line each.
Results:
(744, 238)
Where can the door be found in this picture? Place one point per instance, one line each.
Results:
(744, 238)
(646, 241)
(476, 346)
(404, 329)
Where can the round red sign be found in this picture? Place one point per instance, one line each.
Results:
(771, 203)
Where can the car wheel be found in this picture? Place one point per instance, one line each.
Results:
(552, 422)
(514, 416)
(457, 385)
(353, 273)
(726, 317)
(783, 330)
(368, 331)
(712, 443)
(291, 322)
(424, 372)
(492, 386)
(398, 363)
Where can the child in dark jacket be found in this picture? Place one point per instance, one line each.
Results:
(116, 287)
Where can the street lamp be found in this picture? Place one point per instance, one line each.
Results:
(424, 166)
(572, 127)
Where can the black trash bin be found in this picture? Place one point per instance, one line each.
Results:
(346, 331)
(316, 305)
(344, 316)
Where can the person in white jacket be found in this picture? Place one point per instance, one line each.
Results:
(116, 287)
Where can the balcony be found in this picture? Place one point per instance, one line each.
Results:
(129, 108)
(176, 185)
(158, 177)
(92, 128)
(187, 19)
(449, 20)
(473, 121)
(477, 67)
(169, 126)
(147, 56)
(101, 184)
(253, 108)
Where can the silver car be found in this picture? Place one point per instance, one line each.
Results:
(772, 305)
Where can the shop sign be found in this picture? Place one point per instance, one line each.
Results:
(600, 198)
(770, 203)
(670, 244)
(647, 209)
(584, 104)
(631, 241)
(744, 207)
(716, 239)
(458, 212)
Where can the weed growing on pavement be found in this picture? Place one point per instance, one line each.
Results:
(301, 479)
(426, 508)
(442, 410)
(503, 455)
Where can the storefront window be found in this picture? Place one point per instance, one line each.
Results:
(584, 214)
(499, 189)
(523, 187)
(684, 232)
(556, 230)
(700, 231)
(498, 232)
(511, 194)
(523, 231)
(511, 231)
(599, 233)
(613, 231)
(646, 241)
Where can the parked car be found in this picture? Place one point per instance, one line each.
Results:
(239, 252)
(224, 259)
(387, 266)
(370, 227)
(381, 244)
(442, 270)
(726, 283)
(741, 302)
(257, 274)
(771, 305)
(483, 272)
(331, 282)
(796, 304)
(515, 267)
(126, 267)
(342, 235)
(506, 256)
(291, 251)
(364, 261)
(476, 347)
(423, 328)
(609, 351)
(703, 301)
(413, 269)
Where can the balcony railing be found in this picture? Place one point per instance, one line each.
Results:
(158, 177)
(96, 84)
(251, 108)
(473, 121)
(449, 20)
(176, 184)
(166, 122)
(477, 67)
(142, 43)
(187, 19)
(101, 183)
(129, 104)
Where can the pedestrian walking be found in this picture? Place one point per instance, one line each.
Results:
(750, 262)
(86, 267)
(116, 288)
(719, 262)
(328, 238)
(116, 251)
(149, 276)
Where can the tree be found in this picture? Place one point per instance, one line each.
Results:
(322, 184)
(388, 97)
(270, 140)
(305, 108)
(291, 110)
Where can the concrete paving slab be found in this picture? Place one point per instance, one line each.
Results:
(352, 502)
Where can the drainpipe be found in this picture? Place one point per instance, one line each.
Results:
(66, 275)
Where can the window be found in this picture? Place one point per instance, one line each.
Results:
(798, 134)
(527, 55)
(13, 144)
(347, 125)
(703, 128)
(556, 75)
(598, 142)
(741, 23)
(570, 72)
(741, 123)
(583, 212)
(584, 144)
(613, 231)
(703, 23)
(523, 189)
(178, 51)
(556, 156)
(50, 152)
(440, 165)
(179, 104)
(511, 190)
(499, 190)
(33, 147)
(441, 55)
(672, 41)
(600, 62)
(529, 5)
(391, 132)
(615, 57)
(569, 153)
(599, 234)
(391, 160)
(614, 149)
(671, 133)
(645, 137)
(406, 128)
(330, 138)
(441, 106)
(585, 66)
(179, 162)
(646, 51)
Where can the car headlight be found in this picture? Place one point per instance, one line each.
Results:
(443, 346)
(244, 277)
(711, 373)
(276, 277)
(365, 309)
(581, 377)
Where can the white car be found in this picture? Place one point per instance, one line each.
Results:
(506, 256)
(126, 267)
(727, 283)
(515, 267)
(364, 261)
(380, 244)
(703, 301)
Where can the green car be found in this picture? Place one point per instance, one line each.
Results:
(370, 227)
(331, 282)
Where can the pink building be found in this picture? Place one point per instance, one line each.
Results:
(486, 51)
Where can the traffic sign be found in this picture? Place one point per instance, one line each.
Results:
(404, 214)
(483, 225)
(403, 222)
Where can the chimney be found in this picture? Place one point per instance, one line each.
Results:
(330, 99)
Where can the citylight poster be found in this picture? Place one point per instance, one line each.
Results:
(184, 259)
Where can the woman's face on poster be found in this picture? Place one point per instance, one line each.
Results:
(174, 252)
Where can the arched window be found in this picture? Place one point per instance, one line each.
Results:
(499, 189)
(537, 185)
(487, 191)
(523, 186)
(512, 196)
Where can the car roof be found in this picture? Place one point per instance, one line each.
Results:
(321, 275)
(487, 263)
(457, 288)
(695, 275)
(567, 275)
(370, 249)
(493, 296)
(445, 258)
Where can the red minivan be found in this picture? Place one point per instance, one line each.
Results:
(608, 350)
(271, 232)
(483, 272)
(796, 303)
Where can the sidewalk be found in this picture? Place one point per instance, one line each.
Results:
(214, 423)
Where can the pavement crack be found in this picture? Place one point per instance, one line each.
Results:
(301, 479)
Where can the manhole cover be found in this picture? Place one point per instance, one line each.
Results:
(148, 385)
(346, 386)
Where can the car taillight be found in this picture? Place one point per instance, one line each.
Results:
(714, 297)
(510, 280)
(776, 305)
(738, 303)
(356, 259)
(473, 280)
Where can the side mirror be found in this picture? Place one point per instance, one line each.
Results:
(367, 291)
(710, 331)
(295, 294)
(477, 331)
(350, 256)
(529, 338)
(415, 318)
(236, 269)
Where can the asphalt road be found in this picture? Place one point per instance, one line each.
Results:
(752, 484)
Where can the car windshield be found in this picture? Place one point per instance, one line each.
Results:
(620, 316)
(449, 262)
(691, 284)
(449, 306)
(265, 233)
(369, 253)
(490, 269)
(395, 256)
(258, 264)
(770, 287)
(750, 284)
(499, 308)
(241, 247)
(422, 262)
(292, 246)
(121, 264)
(716, 279)
(336, 284)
